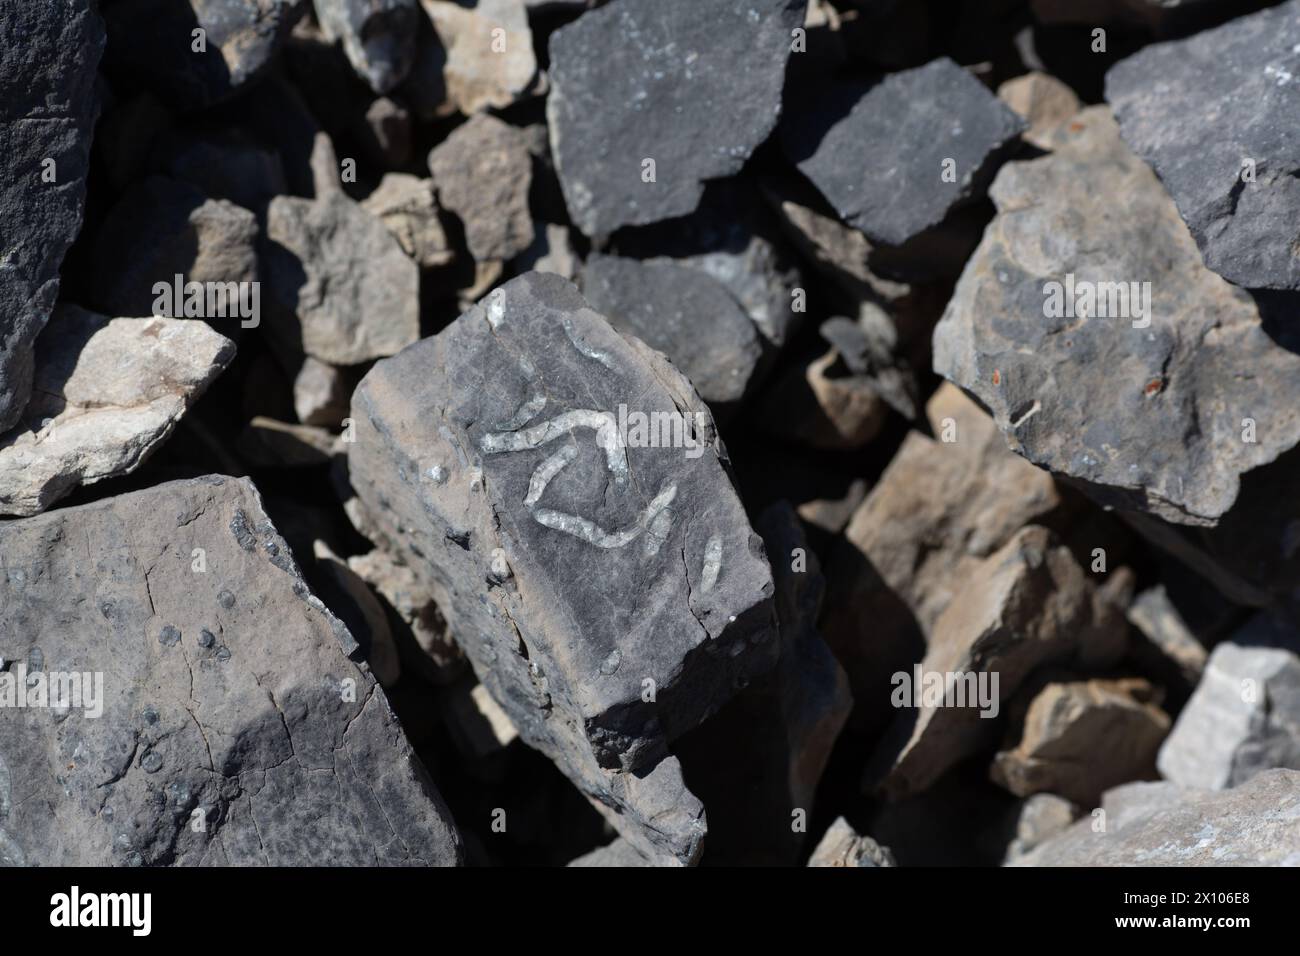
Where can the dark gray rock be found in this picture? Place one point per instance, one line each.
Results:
(235, 728)
(48, 106)
(378, 36)
(609, 595)
(1157, 401)
(696, 87)
(1196, 110)
(684, 313)
(880, 161)
(153, 42)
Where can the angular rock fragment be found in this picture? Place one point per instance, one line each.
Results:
(1243, 719)
(482, 172)
(406, 206)
(1082, 737)
(154, 42)
(489, 48)
(609, 594)
(907, 150)
(1162, 824)
(321, 393)
(378, 37)
(1027, 605)
(1109, 353)
(228, 698)
(823, 405)
(844, 846)
(696, 87)
(48, 106)
(341, 288)
(1041, 816)
(1043, 101)
(1169, 646)
(361, 612)
(162, 228)
(107, 393)
(686, 314)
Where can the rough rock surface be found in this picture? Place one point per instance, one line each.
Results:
(229, 699)
(341, 288)
(844, 846)
(153, 41)
(881, 165)
(1243, 719)
(406, 205)
(1161, 411)
(684, 313)
(1027, 605)
(1162, 824)
(696, 87)
(1043, 101)
(1080, 738)
(378, 36)
(48, 106)
(162, 228)
(1039, 817)
(610, 596)
(482, 172)
(489, 47)
(107, 393)
(1197, 110)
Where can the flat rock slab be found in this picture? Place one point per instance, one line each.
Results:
(1211, 112)
(696, 87)
(1162, 824)
(1243, 719)
(881, 162)
(235, 728)
(609, 595)
(1159, 405)
(48, 106)
(108, 392)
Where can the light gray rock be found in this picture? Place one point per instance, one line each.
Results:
(1169, 643)
(844, 846)
(108, 392)
(684, 313)
(48, 107)
(482, 172)
(406, 205)
(378, 37)
(609, 595)
(489, 48)
(1158, 409)
(880, 161)
(340, 286)
(696, 87)
(1202, 112)
(620, 853)
(1243, 719)
(1162, 824)
(235, 728)
(1041, 816)
(321, 393)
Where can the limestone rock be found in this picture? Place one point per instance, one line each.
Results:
(578, 575)
(342, 289)
(696, 87)
(489, 48)
(1162, 824)
(228, 697)
(107, 393)
(48, 106)
(1149, 408)
(378, 37)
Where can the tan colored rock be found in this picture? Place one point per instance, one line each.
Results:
(321, 393)
(1043, 100)
(844, 846)
(405, 204)
(489, 46)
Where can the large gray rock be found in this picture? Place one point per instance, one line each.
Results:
(684, 313)
(236, 726)
(1243, 719)
(108, 392)
(1162, 824)
(153, 41)
(1199, 110)
(48, 105)
(882, 163)
(378, 36)
(341, 288)
(1158, 409)
(610, 596)
(696, 87)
